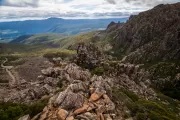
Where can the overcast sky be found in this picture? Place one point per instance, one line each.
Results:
(11, 10)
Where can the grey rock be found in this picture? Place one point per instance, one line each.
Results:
(26, 117)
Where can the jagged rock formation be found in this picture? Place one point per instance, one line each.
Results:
(87, 96)
(130, 77)
(113, 26)
(82, 95)
(88, 55)
(150, 36)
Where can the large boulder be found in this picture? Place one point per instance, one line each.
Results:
(68, 100)
(74, 72)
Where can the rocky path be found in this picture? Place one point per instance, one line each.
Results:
(8, 71)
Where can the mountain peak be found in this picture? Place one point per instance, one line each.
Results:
(54, 18)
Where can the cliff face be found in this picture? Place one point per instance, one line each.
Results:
(151, 35)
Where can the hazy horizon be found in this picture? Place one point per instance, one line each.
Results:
(65, 18)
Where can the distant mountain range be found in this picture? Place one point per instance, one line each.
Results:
(11, 30)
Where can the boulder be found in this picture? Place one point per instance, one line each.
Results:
(62, 114)
(77, 73)
(68, 100)
(48, 72)
(57, 60)
(82, 86)
(81, 110)
(91, 116)
(70, 118)
(95, 97)
(26, 117)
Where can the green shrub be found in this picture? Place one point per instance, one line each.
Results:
(164, 77)
(156, 116)
(98, 71)
(130, 94)
(36, 108)
(60, 84)
(3, 115)
(141, 116)
(13, 111)
(151, 109)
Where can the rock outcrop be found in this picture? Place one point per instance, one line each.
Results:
(88, 55)
(150, 36)
(113, 26)
(89, 97)
(85, 97)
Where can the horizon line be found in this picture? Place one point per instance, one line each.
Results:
(65, 18)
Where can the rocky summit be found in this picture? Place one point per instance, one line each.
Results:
(88, 96)
(130, 71)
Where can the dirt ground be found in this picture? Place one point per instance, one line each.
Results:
(31, 69)
(4, 77)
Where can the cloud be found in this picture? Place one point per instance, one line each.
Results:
(5, 32)
(111, 1)
(20, 3)
(40, 9)
(141, 3)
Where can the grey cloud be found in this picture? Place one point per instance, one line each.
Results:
(149, 3)
(22, 3)
(113, 14)
(111, 1)
(41, 14)
(146, 3)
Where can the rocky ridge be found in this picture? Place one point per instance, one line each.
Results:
(87, 96)
(150, 36)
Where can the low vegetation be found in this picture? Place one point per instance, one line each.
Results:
(60, 84)
(54, 53)
(145, 109)
(165, 77)
(13, 111)
(163, 109)
(98, 71)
